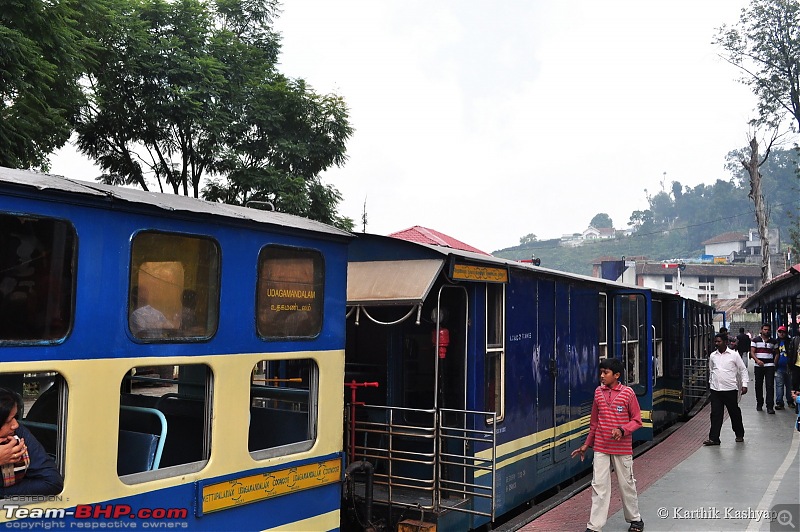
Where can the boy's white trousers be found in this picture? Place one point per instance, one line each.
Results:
(601, 488)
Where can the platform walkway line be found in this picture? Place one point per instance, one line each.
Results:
(769, 496)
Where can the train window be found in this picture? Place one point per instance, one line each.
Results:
(633, 341)
(290, 292)
(495, 353)
(174, 287)
(43, 416)
(283, 407)
(164, 421)
(37, 278)
(602, 326)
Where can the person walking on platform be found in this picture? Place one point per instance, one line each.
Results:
(728, 376)
(783, 386)
(615, 416)
(794, 365)
(763, 353)
(743, 345)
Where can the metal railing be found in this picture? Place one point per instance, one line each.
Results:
(426, 458)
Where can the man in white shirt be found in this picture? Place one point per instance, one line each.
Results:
(728, 374)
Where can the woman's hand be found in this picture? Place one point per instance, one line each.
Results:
(11, 451)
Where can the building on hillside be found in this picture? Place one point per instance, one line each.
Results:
(598, 233)
(702, 282)
(740, 247)
(589, 234)
(726, 244)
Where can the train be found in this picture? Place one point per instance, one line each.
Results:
(188, 364)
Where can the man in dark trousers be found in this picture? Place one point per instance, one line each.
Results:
(763, 352)
(728, 376)
(743, 345)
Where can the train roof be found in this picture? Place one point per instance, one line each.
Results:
(388, 270)
(107, 196)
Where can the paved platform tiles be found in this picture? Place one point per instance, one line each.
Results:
(696, 488)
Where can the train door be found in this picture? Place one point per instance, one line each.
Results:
(633, 344)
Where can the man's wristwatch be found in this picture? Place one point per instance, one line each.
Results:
(621, 430)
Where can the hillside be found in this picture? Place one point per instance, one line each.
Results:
(579, 259)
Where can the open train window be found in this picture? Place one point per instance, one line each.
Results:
(290, 292)
(633, 340)
(283, 407)
(37, 278)
(43, 416)
(164, 421)
(174, 287)
(495, 351)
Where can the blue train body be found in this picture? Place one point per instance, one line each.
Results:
(464, 435)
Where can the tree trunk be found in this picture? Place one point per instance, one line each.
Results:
(762, 212)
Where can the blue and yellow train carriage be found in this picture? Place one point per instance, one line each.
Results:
(182, 361)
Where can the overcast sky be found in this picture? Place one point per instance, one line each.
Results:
(492, 120)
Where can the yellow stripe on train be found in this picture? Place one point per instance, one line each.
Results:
(543, 440)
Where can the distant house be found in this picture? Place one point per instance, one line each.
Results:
(701, 282)
(598, 233)
(726, 244)
(591, 233)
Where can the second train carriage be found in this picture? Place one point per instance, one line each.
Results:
(182, 361)
(471, 378)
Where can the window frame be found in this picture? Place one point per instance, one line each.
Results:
(313, 390)
(214, 290)
(319, 277)
(495, 352)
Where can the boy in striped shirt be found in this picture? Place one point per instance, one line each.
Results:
(615, 416)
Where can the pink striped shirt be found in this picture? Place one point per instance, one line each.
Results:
(613, 408)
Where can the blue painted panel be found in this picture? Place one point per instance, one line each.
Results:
(100, 321)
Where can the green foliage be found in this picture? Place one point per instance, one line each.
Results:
(675, 225)
(601, 220)
(527, 239)
(189, 88)
(42, 51)
(765, 45)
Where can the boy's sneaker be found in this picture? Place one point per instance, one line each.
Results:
(636, 526)
(778, 407)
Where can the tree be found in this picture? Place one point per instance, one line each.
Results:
(752, 165)
(765, 46)
(601, 220)
(41, 59)
(530, 238)
(186, 89)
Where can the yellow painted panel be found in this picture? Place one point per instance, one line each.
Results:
(255, 488)
(480, 273)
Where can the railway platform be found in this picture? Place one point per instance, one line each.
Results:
(684, 486)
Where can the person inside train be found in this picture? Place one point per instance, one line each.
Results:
(26, 468)
(615, 417)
